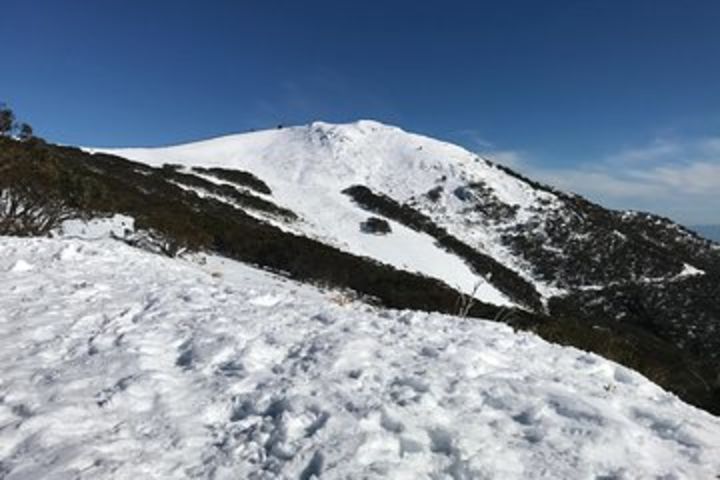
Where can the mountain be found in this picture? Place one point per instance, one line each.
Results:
(711, 232)
(406, 221)
(118, 363)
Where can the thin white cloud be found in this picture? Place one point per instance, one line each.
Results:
(657, 150)
(700, 178)
(710, 146)
(679, 179)
(473, 138)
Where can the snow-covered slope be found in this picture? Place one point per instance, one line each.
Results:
(116, 363)
(467, 221)
(307, 168)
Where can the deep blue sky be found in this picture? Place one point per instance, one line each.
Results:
(559, 84)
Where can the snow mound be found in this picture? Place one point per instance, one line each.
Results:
(115, 363)
(118, 226)
(22, 266)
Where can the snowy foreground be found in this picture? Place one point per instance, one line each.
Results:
(115, 363)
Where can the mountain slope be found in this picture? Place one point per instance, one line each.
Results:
(494, 210)
(308, 168)
(532, 243)
(632, 287)
(119, 363)
(42, 185)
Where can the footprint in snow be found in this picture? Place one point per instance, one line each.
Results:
(268, 300)
(22, 266)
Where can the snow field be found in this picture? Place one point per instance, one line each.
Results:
(115, 363)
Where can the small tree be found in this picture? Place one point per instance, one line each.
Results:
(9, 126)
(25, 132)
(28, 211)
(7, 120)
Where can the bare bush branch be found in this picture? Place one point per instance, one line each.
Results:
(24, 212)
(465, 302)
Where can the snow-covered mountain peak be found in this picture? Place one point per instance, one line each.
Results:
(309, 167)
(356, 128)
(367, 152)
(523, 229)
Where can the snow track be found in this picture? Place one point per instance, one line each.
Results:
(115, 363)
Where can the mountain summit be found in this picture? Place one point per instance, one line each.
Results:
(309, 169)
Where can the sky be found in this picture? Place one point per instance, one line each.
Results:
(618, 100)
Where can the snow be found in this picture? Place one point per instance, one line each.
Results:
(308, 166)
(116, 363)
(689, 271)
(22, 266)
(117, 225)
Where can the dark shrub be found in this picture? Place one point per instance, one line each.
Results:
(238, 177)
(375, 226)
